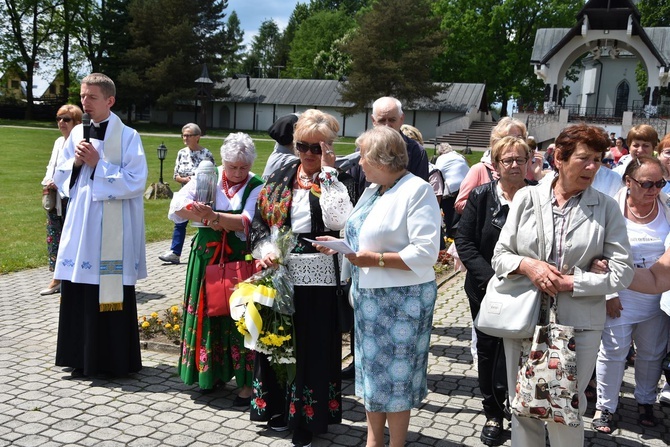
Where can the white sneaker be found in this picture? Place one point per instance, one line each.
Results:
(169, 257)
(664, 397)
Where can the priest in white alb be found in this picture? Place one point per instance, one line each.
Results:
(103, 170)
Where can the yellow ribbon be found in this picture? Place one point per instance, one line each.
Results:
(242, 305)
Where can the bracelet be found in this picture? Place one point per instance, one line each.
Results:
(204, 221)
(216, 221)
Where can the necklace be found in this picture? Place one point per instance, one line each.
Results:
(653, 207)
(303, 180)
(231, 190)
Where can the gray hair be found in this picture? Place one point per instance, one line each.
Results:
(238, 147)
(191, 127)
(384, 148)
(383, 99)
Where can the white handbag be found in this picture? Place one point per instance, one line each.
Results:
(511, 306)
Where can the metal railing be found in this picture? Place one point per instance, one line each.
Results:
(539, 119)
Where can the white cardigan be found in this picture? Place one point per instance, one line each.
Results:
(405, 220)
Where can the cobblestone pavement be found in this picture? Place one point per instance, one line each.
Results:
(38, 407)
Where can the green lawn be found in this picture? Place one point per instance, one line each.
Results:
(25, 155)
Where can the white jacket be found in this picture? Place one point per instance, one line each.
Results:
(405, 220)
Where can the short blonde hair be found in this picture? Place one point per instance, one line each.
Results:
(103, 81)
(412, 132)
(384, 148)
(444, 148)
(506, 142)
(314, 122)
(504, 126)
(74, 111)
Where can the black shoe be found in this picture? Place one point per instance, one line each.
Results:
(278, 423)
(302, 438)
(242, 401)
(492, 432)
(349, 372)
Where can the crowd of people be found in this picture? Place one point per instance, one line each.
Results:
(602, 204)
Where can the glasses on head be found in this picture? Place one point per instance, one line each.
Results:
(314, 148)
(188, 135)
(64, 119)
(649, 184)
(507, 162)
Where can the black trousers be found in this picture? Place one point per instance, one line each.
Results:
(491, 369)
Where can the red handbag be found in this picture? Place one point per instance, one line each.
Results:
(221, 279)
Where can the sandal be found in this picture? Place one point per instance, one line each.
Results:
(646, 417)
(603, 423)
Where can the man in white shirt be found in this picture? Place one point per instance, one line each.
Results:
(103, 170)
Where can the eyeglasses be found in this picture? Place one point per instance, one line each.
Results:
(314, 148)
(63, 119)
(666, 153)
(188, 135)
(509, 161)
(649, 184)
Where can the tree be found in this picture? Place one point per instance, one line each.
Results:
(316, 34)
(392, 53)
(232, 58)
(263, 49)
(334, 63)
(31, 26)
(491, 42)
(299, 14)
(168, 49)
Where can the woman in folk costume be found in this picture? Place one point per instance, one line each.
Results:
(212, 350)
(309, 197)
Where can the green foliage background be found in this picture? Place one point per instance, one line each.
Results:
(25, 156)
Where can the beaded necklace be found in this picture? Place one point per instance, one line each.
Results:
(231, 190)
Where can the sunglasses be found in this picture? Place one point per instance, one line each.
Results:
(63, 119)
(649, 184)
(314, 148)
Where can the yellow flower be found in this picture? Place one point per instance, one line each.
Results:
(154, 315)
(175, 327)
(167, 326)
(174, 310)
(146, 324)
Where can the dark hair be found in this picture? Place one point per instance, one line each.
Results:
(594, 137)
(640, 161)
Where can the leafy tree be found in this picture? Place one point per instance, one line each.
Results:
(349, 7)
(232, 58)
(168, 49)
(31, 26)
(392, 52)
(263, 49)
(334, 63)
(316, 34)
(299, 14)
(491, 41)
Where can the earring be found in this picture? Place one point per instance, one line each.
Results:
(627, 191)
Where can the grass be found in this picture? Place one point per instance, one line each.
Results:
(25, 154)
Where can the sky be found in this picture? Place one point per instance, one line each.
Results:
(254, 12)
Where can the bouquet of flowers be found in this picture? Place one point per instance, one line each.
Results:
(263, 309)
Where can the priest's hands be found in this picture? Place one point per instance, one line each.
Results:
(85, 153)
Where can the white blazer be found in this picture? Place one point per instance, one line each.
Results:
(405, 220)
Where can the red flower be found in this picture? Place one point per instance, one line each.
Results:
(260, 403)
(309, 411)
(291, 408)
(333, 405)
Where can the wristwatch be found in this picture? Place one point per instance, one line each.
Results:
(381, 259)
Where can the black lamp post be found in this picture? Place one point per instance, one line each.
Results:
(203, 86)
(162, 152)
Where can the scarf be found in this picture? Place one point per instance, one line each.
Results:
(111, 253)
